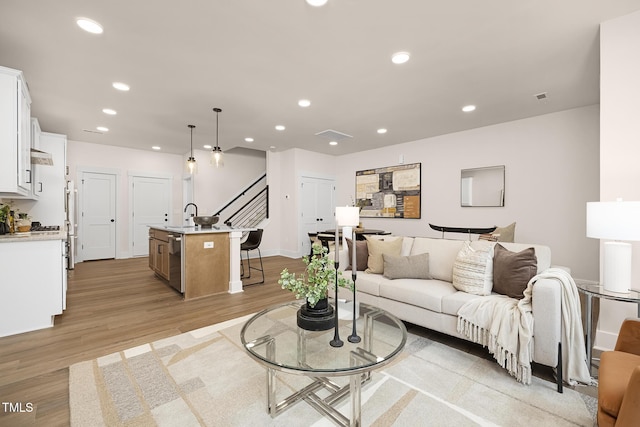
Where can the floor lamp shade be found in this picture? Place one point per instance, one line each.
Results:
(615, 221)
(347, 216)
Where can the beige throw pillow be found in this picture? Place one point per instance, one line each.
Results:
(375, 262)
(406, 267)
(505, 234)
(473, 270)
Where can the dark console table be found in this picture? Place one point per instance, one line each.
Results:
(468, 230)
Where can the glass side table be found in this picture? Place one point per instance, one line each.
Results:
(594, 289)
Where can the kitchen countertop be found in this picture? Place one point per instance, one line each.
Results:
(31, 236)
(194, 229)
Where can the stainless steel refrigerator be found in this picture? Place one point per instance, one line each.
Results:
(71, 224)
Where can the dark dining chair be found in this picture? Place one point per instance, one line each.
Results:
(252, 243)
(313, 238)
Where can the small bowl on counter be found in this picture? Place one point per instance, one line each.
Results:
(205, 221)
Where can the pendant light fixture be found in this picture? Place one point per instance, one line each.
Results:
(216, 153)
(192, 166)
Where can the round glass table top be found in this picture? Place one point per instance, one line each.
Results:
(598, 290)
(273, 338)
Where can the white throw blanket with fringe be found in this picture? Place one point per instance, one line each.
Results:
(505, 326)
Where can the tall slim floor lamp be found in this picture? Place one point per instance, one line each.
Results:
(349, 217)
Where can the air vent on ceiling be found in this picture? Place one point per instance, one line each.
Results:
(92, 131)
(332, 135)
(541, 96)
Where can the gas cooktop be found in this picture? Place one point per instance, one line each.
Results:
(45, 227)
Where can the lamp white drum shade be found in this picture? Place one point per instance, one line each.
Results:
(347, 216)
(617, 220)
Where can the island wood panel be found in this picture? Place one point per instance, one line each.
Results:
(206, 270)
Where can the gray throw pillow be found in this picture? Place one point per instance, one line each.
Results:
(406, 267)
(513, 270)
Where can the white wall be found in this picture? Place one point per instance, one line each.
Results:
(619, 143)
(551, 171)
(83, 155)
(212, 187)
(284, 171)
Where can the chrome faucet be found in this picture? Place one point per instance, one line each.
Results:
(194, 205)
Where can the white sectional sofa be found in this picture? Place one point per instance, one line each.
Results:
(434, 303)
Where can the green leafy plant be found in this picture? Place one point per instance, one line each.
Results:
(319, 275)
(4, 212)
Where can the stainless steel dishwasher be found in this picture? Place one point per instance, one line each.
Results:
(175, 262)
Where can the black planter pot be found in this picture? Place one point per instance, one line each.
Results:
(3, 228)
(318, 318)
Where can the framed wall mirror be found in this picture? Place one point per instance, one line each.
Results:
(482, 186)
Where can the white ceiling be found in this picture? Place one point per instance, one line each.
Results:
(255, 59)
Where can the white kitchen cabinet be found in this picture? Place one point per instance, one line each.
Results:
(15, 135)
(33, 285)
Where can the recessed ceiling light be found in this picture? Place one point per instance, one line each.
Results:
(468, 108)
(280, 127)
(400, 57)
(304, 103)
(89, 25)
(109, 111)
(121, 86)
(102, 129)
(155, 147)
(248, 139)
(207, 147)
(381, 130)
(317, 3)
(333, 142)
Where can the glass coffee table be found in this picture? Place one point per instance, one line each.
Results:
(273, 338)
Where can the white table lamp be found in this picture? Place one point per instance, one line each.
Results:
(615, 221)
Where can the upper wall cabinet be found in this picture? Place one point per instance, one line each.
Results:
(15, 135)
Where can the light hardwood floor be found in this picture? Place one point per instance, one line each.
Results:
(112, 305)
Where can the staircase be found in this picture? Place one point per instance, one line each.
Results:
(249, 208)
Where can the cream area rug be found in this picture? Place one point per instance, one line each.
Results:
(205, 378)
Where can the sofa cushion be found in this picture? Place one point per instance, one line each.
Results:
(452, 303)
(369, 283)
(376, 247)
(513, 270)
(419, 292)
(473, 270)
(362, 254)
(442, 255)
(406, 267)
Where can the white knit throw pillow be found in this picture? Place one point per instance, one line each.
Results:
(473, 270)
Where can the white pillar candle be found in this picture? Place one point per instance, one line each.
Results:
(354, 266)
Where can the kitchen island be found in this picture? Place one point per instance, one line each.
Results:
(197, 261)
(33, 287)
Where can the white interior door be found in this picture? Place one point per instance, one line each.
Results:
(150, 206)
(98, 216)
(316, 208)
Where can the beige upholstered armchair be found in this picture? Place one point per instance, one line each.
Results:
(619, 379)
